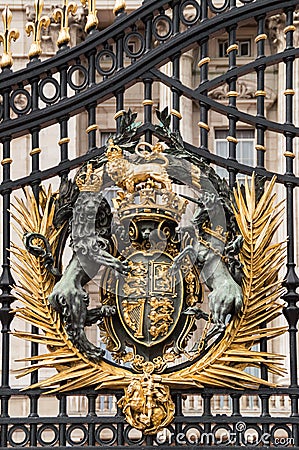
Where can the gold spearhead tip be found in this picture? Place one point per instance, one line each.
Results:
(119, 6)
(6, 38)
(6, 17)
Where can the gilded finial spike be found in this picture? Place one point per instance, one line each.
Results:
(119, 7)
(6, 37)
(35, 28)
(92, 19)
(62, 15)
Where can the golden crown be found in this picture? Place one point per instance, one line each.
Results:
(90, 180)
(150, 201)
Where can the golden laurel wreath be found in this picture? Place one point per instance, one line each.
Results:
(222, 366)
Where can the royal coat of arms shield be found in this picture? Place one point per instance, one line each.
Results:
(185, 271)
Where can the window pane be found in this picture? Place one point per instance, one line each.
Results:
(221, 148)
(245, 152)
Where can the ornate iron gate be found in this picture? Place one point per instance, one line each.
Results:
(81, 80)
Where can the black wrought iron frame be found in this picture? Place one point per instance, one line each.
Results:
(96, 86)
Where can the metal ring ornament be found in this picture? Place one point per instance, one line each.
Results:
(199, 429)
(55, 84)
(100, 55)
(140, 38)
(22, 443)
(40, 432)
(230, 432)
(280, 427)
(83, 84)
(26, 108)
(69, 432)
(130, 441)
(259, 432)
(169, 438)
(105, 442)
(197, 15)
(162, 17)
(218, 9)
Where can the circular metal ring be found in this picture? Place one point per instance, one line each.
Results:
(28, 105)
(69, 432)
(83, 71)
(229, 434)
(19, 443)
(102, 54)
(279, 443)
(195, 5)
(130, 441)
(165, 437)
(44, 442)
(197, 441)
(106, 442)
(55, 96)
(139, 37)
(244, 438)
(162, 18)
(218, 9)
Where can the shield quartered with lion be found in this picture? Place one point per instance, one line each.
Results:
(149, 299)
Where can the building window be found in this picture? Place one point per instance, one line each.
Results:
(245, 152)
(243, 44)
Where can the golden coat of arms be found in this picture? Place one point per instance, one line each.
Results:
(185, 269)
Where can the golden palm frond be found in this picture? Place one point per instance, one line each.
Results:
(224, 363)
(35, 284)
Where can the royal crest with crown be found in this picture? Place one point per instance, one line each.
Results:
(149, 224)
(149, 300)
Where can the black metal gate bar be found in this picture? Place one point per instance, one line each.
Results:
(260, 93)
